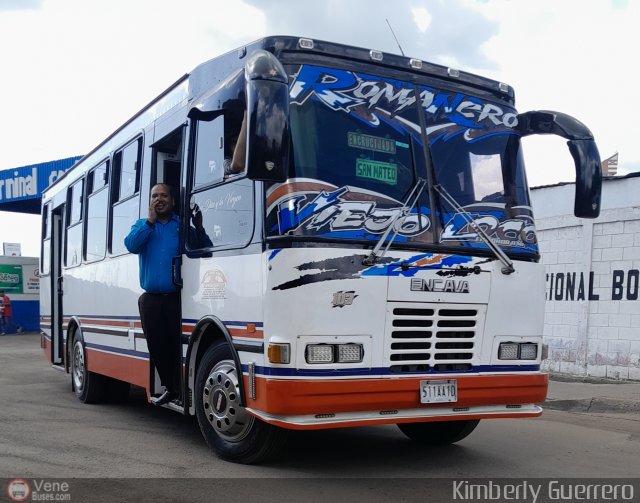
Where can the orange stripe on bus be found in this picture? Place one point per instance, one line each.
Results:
(133, 370)
(241, 332)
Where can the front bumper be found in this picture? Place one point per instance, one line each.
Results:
(326, 403)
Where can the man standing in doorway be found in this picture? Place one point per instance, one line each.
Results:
(155, 241)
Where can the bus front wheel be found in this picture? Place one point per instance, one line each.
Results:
(439, 432)
(230, 431)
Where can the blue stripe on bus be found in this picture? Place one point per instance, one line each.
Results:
(259, 324)
(348, 372)
(122, 351)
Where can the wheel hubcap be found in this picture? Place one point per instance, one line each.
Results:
(221, 403)
(78, 366)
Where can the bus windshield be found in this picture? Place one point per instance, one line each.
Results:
(358, 152)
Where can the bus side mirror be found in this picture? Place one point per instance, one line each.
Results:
(583, 150)
(268, 118)
(588, 178)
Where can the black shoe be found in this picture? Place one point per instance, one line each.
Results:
(166, 397)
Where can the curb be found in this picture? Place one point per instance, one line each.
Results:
(595, 405)
(588, 379)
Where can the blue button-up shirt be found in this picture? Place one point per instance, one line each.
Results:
(156, 246)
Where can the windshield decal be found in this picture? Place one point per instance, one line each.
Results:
(351, 267)
(344, 212)
(412, 265)
(347, 267)
(517, 233)
(373, 99)
(304, 207)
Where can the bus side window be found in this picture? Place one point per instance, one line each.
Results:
(221, 214)
(125, 189)
(209, 157)
(129, 168)
(73, 244)
(96, 217)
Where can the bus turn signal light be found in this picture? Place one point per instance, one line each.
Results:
(279, 353)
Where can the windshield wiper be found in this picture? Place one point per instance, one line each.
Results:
(409, 203)
(508, 264)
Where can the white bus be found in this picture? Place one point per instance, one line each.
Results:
(375, 261)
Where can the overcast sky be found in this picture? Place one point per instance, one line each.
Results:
(74, 70)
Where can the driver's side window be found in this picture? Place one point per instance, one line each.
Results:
(209, 152)
(221, 214)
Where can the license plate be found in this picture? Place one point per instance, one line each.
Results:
(442, 391)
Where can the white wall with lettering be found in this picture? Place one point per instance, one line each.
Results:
(592, 316)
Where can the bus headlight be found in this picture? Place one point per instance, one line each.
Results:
(319, 353)
(528, 351)
(517, 351)
(334, 353)
(508, 351)
(349, 353)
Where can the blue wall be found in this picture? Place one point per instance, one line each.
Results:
(26, 314)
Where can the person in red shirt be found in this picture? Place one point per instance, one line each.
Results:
(6, 312)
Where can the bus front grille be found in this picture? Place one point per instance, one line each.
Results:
(432, 337)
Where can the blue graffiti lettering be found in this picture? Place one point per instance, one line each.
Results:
(313, 80)
(373, 99)
(291, 215)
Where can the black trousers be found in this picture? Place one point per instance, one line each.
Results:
(162, 327)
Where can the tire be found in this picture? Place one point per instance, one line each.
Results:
(88, 386)
(229, 430)
(440, 432)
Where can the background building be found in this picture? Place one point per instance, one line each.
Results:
(610, 165)
(19, 280)
(592, 319)
(21, 188)
(21, 192)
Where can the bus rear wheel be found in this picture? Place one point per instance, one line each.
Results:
(439, 432)
(229, 430)
(88, 386)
